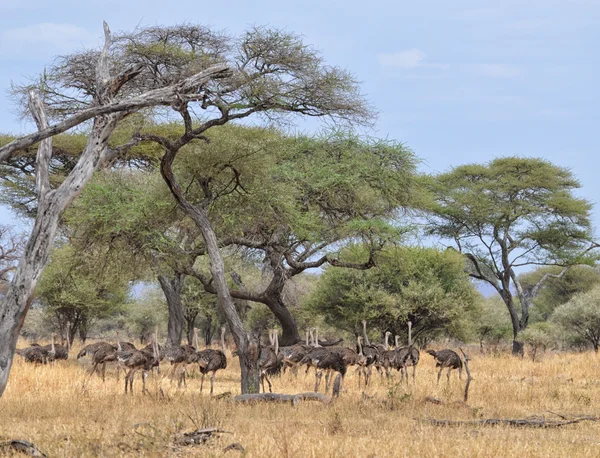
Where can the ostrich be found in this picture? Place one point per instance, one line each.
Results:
(211, 361)
(104, 354)
(124, 346)
(331, 361)
(314, 350)
(55, 351)
(136, 360)
(33, 354)
(447, 358)
(269, 360)
(373, 354)
(292, 355)
(406, 357)
(350, 357)
(178, 357)
(90, 349)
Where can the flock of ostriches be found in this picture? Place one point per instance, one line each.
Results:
(273, 358)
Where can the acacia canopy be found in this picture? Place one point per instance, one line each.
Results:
(508, 214)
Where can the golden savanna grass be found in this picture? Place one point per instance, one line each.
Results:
(47, 406)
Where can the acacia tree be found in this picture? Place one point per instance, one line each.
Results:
(77, 290)
(508, 214)
(292, 201)
(274, 74)
(263, 71)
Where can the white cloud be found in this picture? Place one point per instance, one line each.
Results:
(43, 40)
(497, 70)
(409, 58)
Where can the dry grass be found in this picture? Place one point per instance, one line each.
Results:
(47, 406)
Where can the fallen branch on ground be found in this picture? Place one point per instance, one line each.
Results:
(524, 422)
(197, 437)
(294, 399)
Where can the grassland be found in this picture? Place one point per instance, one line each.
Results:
(47, 405)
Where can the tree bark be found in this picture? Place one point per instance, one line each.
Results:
(208, 331)
(52, 204)
(289, 327)
(172, 289)
(190, 319)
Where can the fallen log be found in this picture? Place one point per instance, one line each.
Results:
(293, 399)
(197, 437)
(522, 422)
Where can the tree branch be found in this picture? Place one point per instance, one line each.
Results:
(162, 96)
(44, 153)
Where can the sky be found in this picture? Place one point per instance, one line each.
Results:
(458, 82)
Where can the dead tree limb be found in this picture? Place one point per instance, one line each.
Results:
(469, 378)
(293, 399)
(524, 422)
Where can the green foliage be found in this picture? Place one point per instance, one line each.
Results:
(528, 202)
(78, 289)
(557, 291)
(541, 334)
(423, 285)
(146, 313)
(322, 188)
(510, 213)
(491, 322)
(581, 316)
(129, 216)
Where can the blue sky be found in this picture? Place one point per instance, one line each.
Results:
(458, 82)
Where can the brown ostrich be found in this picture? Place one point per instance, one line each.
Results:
(269, 360)
(55, 351)
(136, 360)
(210, 360)
(447, 358)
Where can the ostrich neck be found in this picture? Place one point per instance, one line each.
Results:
(365, 333)
(360, 352)
(53, 347)
(223, 342)
(387, 338)
(409, 333)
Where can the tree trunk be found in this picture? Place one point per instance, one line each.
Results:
(83, 331)
(288, 323)
(208, 331)
(250, 373)
(526, 303)
(190, 319)
(248, 349)
(518, 347)
(247, 353)
(172, 289)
